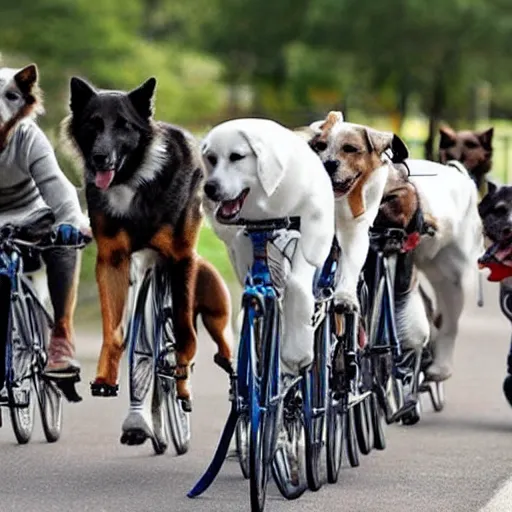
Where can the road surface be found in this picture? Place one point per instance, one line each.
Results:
(453, 461)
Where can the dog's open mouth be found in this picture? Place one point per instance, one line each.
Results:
(230, 210)
(103, 179)
(343, 187)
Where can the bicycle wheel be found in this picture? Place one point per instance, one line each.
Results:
(289, 463)
(362, 426)
(50, 406)
(19, 380)
(263, 406)
(377, 418)
(350, 439)
(242, 443)
(335, 435)
(176, 418)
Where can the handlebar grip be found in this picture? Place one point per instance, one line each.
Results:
(69, 235)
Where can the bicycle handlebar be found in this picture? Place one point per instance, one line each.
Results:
(63, 235)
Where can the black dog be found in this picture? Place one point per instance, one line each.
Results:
(143, 181)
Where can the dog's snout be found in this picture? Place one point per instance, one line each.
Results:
(506, 232)
(100, 160)
(211, 189)
(331, 166)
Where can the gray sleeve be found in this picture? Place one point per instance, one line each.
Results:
(57, 191)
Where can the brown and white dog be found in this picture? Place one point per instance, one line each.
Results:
(473, 149)
(354, 156)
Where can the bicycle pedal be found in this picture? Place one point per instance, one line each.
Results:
(102, 389)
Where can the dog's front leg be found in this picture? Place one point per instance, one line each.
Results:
(354, 242)
(298, 309)
(112, 276)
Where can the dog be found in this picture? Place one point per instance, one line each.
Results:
(473, 149)
(143, 182)
(354, 156)
(257, 170)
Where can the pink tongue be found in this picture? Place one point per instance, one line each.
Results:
(503, 255)
(230, 208)
(103, 179)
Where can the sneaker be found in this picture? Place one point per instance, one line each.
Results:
(61, 358)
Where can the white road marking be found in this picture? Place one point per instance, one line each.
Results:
(501, 501)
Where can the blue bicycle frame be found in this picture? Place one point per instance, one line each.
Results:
(255, 388)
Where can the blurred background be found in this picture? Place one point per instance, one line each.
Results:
(401, 65)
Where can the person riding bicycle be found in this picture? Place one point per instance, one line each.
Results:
(31, 181)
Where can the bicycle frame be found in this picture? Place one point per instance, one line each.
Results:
(250, 393)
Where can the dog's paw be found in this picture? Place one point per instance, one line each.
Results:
(438, 372)
(346, 302)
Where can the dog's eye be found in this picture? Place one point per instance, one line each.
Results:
(96, 122)
(500, 211)
(319, 146)
(234, 157)
(348, 148)
(212, 159)
(470, 144)
(121, 123)
(12, 96)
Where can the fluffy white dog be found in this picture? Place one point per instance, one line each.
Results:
(354, 157)
(258, 170)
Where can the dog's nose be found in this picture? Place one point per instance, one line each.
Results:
(331, 166)
(211, 189)
(100, 160)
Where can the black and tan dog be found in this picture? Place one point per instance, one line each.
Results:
(473, 149)
(143, 182)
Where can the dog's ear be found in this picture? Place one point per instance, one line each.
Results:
(81, 94)
(448, 137)
(378, 141)
(142, 98)
(485, 138)
(487, 203)
(26, 78)
(399, 149)
(272, 160)
(326, 124)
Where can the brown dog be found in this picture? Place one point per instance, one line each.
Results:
(472, 149)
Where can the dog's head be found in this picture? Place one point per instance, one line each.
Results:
(350, 152)
(472, 149)
(245, 157)
(110, 129)
(20, 97)
(496, 212)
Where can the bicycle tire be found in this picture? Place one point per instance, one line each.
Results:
(50, 407)
(335, 438)
(350, 439)
(362, 426)
(20, 392)
(177, 420)
(242, 433)
(263, 414)
(289, 462)
(379, 436)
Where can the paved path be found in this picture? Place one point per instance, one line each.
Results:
(454, 461)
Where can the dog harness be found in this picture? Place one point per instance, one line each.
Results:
(31, 179)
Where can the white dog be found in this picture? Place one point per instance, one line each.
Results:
(354, 156)
(258, 170)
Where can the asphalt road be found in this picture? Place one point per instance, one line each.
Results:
(453, 461)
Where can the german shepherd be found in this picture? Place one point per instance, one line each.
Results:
(470, 148)
(143, 183)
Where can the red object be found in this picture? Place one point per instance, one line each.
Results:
(411, 242)
(499, 271)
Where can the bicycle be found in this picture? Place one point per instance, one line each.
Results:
(398, 376)
(262, 406)
(26, 324)
(152, 359)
